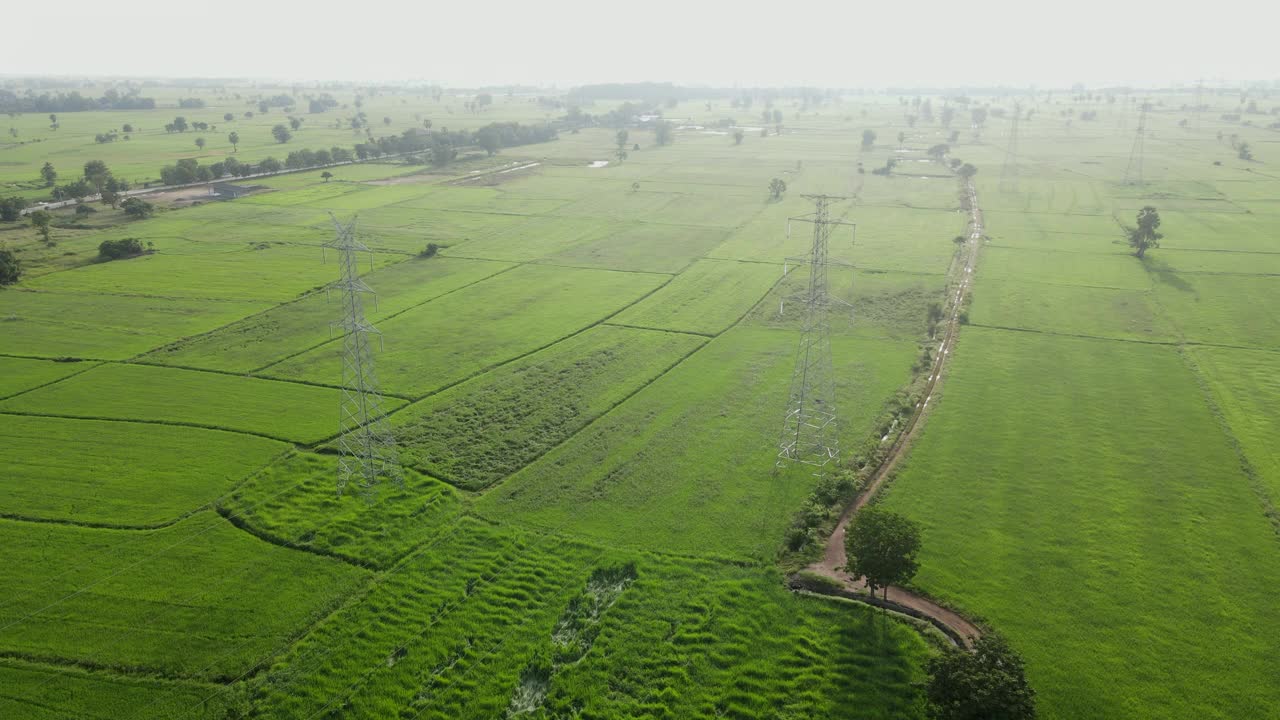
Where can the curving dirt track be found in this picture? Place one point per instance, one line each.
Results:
(834, 557)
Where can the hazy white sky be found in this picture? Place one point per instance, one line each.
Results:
(850, 44)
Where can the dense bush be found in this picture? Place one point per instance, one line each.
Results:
(138, 208)
(11, 208)
(10, 267)
(120, 249)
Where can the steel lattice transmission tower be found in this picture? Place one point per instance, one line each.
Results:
(1009, 173)
(366, 447)
(1133, 173)
(810, 430)
(1199, 101)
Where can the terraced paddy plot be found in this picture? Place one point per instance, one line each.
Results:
(106, 327)
(1208, 308)
(38, 692)
(1051, 231)
(117, 473)
(527, 239)
(1070, 310)
(286, 411)
(292, 328)
(102, 599)
(487, 611)
(485, 324)
(644, 247)
(707, 298)
(668, 469)
(477, 433)
(22, 374)
(483, 200)
(293, 503)
(262, 271)
(1115, 270)
(1134, 531)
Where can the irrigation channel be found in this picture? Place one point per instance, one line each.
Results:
(834, 558)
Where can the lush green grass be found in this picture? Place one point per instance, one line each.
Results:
(38, 692)
(1070, 310)
(287, 411)
(1122, 550)
(109, 327)
(120, 473)
(462, 629)
(294, 327)
(477, 433)
(456, 336)
(130, 601)
(707, 298)
(22, 374)
(295, 502)
(1246, 389)
(685, 464)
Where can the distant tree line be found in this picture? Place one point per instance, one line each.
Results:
(73, 102)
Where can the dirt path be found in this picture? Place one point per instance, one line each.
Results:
(834, 557)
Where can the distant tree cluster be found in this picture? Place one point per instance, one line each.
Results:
(193, 103)
(73, 102)
(299, 159)
(322, 103)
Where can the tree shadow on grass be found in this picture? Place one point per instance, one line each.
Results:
(1160, 270)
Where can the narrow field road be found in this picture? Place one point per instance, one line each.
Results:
(834, 557)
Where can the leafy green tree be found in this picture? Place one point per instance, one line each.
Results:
(96, 172)
(386, 120)
(180, 124)
(868, 139)
(488, 139)
(1144, 235)
(270, 165)
(234, 139)
(326, 175)
(882, 548)
(10, 267)
(228, 117)
(777, 187)
(127, 128)
(663, 133)
(295, 123)
(11, 208)
(200, 143)
(978, 116)
(40, 220)
(138, 208)
(738, 137)
(989, 683)
(1244, 152)
(281, 134)
(967, 171)
(902, 137)
(939, 151)
(49, 174)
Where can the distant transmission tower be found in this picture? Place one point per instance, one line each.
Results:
(1199, 101)
(1133, 173)
(367, 449)
(810, 429)
(1009, 173)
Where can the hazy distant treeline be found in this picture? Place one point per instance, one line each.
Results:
(72, 102)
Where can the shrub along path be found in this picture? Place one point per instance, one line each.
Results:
(834, 557)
